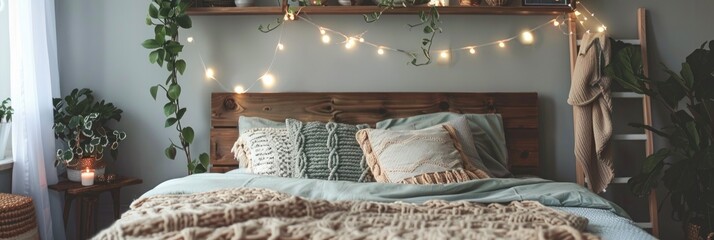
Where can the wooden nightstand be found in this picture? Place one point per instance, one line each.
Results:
(87, 201)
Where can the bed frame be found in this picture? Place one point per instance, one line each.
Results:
(519, 111)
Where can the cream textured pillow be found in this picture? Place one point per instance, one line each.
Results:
(265, 151)
(426, 156)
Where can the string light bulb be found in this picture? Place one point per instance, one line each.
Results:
(322, 31)
(577, 13)
(472, 50)
(326, 39)
(380, 51)
(268, 80)
(527, 38)
(210, 74)
(556, 23)
(292, 16)
(280, 46)
(350, 43)
(189, 39)
(444, 54)
(502, 44)
(601, 28)
(239, 89)
(585, 18)
(361, 39)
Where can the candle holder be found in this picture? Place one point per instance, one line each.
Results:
(87, 177)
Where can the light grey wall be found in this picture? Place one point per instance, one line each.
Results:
(5, 175)
(99, 47)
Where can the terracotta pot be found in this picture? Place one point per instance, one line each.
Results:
(694, 232)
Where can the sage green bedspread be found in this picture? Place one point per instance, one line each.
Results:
(494, 190)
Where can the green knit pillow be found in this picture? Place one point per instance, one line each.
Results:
(327, 151)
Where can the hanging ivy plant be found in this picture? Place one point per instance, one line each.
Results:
(430, 20)
(168, 17)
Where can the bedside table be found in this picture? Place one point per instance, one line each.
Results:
(87, 197)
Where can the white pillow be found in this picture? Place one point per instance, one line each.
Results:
(265, 151)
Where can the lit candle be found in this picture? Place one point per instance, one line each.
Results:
(87, 178)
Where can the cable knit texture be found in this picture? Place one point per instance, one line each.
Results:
(427, 156)
(592, 107)
(251, 213)
(327, 151)
(265, 151)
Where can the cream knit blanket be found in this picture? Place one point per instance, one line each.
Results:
(251, 213)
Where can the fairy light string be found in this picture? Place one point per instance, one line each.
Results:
(583, 16)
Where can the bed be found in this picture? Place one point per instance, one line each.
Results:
(232, 203)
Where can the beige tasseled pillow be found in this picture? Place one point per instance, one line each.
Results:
(427, 156)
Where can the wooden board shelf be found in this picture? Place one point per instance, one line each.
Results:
(485, 10)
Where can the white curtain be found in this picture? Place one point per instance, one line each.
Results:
(33, 75)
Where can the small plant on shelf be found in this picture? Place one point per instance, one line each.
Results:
(81, 125)
(6, 111)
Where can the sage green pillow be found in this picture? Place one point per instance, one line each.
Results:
(327, 151)
(487, 131)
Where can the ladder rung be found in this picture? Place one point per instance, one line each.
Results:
(626, 95)
(630, 137)
(620, 180)
(630, 41)
(644, 224)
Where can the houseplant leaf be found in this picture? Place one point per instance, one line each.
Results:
(187, 134)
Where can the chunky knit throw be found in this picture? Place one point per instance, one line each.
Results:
(265, 151)
(327, 151)
(592, 107)
(250, 213)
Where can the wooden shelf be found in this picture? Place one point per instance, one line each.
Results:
(486, 10)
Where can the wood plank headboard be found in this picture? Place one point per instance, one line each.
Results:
(519, 111)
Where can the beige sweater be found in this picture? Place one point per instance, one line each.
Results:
(592, 106)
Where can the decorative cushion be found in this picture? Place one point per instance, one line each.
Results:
(327, 151)
(486, 129)
(265, 151)
(247, 123)
(426, 156)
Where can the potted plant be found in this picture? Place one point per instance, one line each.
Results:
(686, 166)
(5, 129)
(81, 125)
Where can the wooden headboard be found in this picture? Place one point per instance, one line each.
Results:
(519, 111)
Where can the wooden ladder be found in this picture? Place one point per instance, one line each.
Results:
(646, 111)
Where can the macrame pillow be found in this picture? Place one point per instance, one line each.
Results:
(327, 151)
(265, 151)
(427, 156)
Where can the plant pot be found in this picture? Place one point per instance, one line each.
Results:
(498, 2)
(350, 2)
(5, 140)
(696, 232)
(74, 173)
(244, 3)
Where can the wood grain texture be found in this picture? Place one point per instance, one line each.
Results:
(519, 111)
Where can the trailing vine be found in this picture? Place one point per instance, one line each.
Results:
(167, 17)
(430, 20)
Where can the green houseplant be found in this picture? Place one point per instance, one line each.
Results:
(168, 17)
(686, 166)
(81, 125)
(6, 112)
